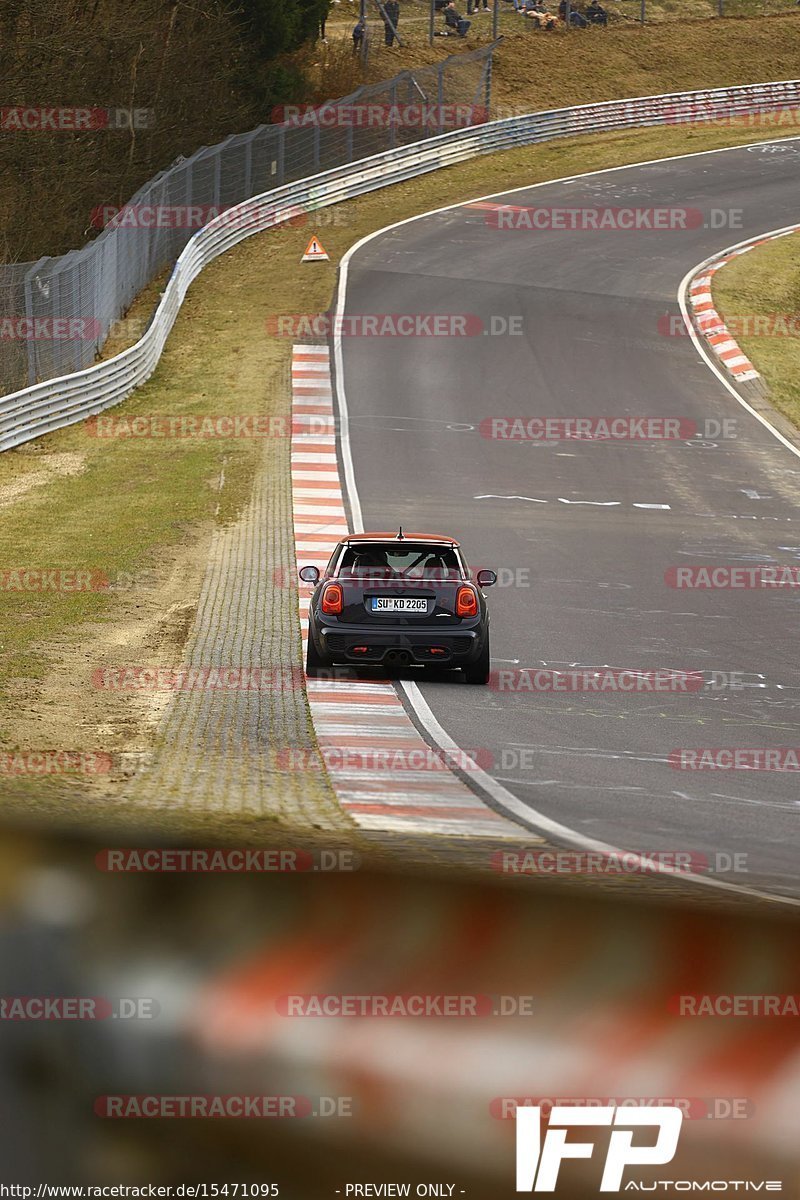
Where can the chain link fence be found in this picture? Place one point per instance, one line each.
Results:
(657, 12)
(645, 12)
(56, 313)
(13, 349)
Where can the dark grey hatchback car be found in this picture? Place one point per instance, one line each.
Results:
(395, 599)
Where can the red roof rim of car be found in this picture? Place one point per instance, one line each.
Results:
(407, 537)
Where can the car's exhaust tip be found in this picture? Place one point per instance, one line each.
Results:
(397, 658)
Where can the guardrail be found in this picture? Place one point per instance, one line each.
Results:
(40, 409)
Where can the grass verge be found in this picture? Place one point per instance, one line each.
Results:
(761, 290)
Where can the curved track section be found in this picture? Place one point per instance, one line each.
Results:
(600, 526)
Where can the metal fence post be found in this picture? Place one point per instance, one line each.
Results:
(30, 280)
(248, 165)
(392, 124)
(431, 21)
(217, 179)
(643, 14)
(440, 95)
(281, 159)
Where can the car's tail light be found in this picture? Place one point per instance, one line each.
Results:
(332, 599)
(466, 602)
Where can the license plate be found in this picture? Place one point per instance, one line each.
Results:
(393, 604)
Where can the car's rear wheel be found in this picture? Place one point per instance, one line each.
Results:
(478, 672)
(314, 660)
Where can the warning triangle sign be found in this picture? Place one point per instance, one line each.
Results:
(315, 251)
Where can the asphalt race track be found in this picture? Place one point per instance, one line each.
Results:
(566, 520)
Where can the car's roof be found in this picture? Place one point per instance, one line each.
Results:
(407, 537)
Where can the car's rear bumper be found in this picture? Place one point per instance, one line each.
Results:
(454, 646)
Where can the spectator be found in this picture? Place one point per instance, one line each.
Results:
(576, 19)
(392, 10)
(538, 13)
(359, 31)
(454, 20)
(597, 15)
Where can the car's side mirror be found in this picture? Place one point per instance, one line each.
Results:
(309, 574)
(486, 579)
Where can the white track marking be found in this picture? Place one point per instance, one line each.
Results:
(530, 499)
(596, 503)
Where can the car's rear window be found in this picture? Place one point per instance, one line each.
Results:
(412, 560)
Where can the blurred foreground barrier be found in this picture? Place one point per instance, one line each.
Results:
(398, 1020)
(46, 406)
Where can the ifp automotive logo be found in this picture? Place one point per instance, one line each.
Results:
(538, 1163)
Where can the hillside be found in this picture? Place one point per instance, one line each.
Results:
(200, 79)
